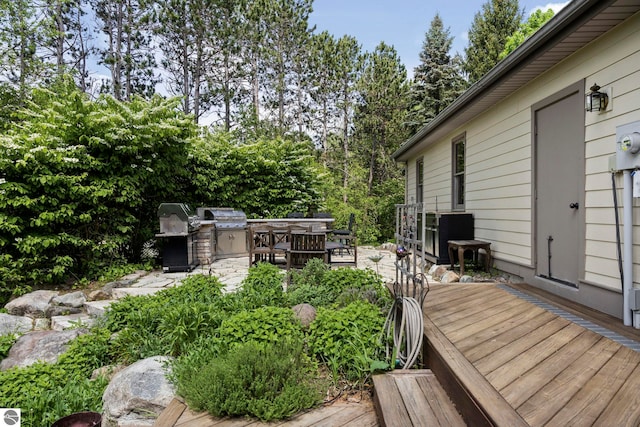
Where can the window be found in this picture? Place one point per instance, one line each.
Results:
(420, 180)
(458, 172)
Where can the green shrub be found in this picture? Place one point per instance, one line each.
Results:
(6, 342)
(263, 286)
(47, 392)
(319, 286)
(167, 322)
(349, 340)
(267, 381)
(263, 325)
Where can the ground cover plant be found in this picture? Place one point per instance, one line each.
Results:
(240, 354)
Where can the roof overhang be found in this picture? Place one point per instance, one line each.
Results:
(575, 26)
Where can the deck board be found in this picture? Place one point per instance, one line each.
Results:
(548, 369)
(413, 398)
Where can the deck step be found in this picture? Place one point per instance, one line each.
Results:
(413, 398)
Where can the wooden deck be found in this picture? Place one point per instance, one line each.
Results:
(347, 414)
(524, 365)
(413, 397)
(501, 360)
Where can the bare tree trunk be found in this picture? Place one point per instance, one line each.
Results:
(197, 75)
(185, 72)
(59, 38)
(128, 86)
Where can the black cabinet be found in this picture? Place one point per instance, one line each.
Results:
(440, 227)
(179, 252)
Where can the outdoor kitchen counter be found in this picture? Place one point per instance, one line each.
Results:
(314, 223)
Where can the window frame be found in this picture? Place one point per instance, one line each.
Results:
(458, 181)
(420, 180)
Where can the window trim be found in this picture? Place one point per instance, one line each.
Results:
(420, 180)
(458, 177)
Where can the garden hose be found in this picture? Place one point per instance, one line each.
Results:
(406, 324)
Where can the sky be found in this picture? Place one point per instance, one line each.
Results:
(403, 23)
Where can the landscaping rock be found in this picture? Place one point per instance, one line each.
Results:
(467, 279)
(61, 323)
(449, 277)
(59, 310)
(306, 313)
(73, 299)
(10, 324)
(43, 346)
(436, 271)
(97, 308)
(137, 395)
(99, 295)
(33, 304)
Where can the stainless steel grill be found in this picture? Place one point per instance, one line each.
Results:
(177, 218)
(230, 230)
(178, 234)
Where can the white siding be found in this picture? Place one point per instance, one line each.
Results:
(498, 175)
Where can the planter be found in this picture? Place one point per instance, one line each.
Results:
(80, 419)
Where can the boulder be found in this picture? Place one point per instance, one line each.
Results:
(60, 310)
(33, 304)
(449, 277)
(467, 279)
(137, 395)
(306, 313)
(10, 324)
(436, 271)
(44, 346)
(73, 299)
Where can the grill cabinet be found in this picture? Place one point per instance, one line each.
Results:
(440, 227)
(178, 236)
(230, 231)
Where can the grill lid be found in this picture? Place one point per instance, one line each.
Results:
(177, 218)
(224, 217)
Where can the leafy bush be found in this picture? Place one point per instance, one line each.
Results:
(319, 286)
(267, 381)
(80, 182)
(167, 322)
(348, 340)
(6, 342)
(47, 392)
(263, 286)
(263, 325)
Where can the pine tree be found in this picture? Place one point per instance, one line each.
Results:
(128, 54)
(381, 114)
(437, 79)
(24, 28)
(489, 31)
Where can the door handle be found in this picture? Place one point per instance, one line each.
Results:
(574, 205)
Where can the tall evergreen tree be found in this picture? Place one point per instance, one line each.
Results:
(70, 40)
(488, 34)
(437, 79)
(349, 66)
(128, 53)
(381, 113)
(279, 49)
(24, 28)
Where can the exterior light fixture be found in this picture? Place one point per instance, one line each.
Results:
(596, 100)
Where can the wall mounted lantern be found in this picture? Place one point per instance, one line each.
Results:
(596, 100)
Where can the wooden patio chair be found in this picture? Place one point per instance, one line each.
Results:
(306, 246)
(260, 244)
(279, 238)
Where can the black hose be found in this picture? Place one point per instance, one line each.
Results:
(618, 239)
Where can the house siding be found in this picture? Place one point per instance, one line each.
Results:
(499, 160)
